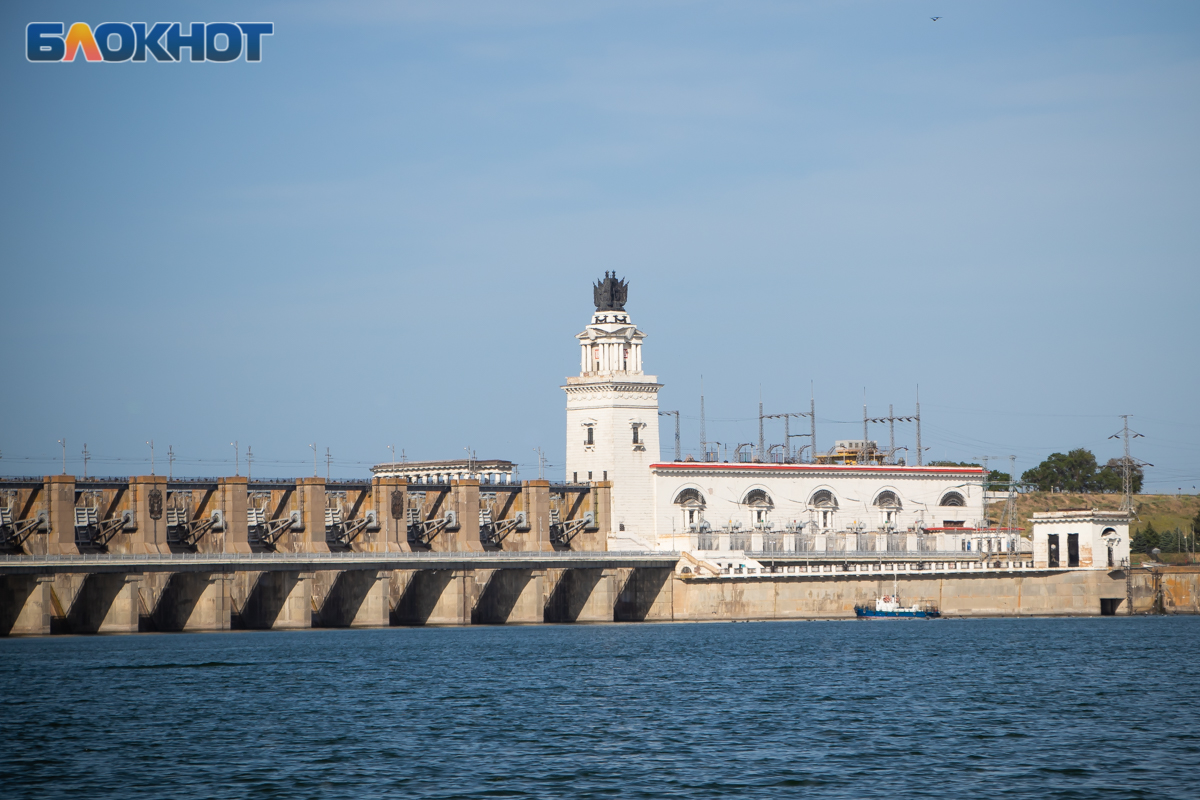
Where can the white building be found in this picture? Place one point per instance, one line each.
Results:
(484, 471)
(612, 413)
(820, 508)
(1091, 539)
(612, 435)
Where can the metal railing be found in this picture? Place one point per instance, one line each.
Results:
(349, 560)
(595, 555)
(878, 555)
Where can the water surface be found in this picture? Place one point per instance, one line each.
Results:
(1063, 708)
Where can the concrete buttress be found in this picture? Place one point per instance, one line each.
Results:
(60, 498)
(391, 502)
(352, 598)
(233, 502)
(148, 495)
(582, 595)
(312, 510)
(25, 605)
(433, 597)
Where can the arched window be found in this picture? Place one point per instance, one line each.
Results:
(887, 499)
(823, 499)
(952, 499)
(692, 504)
(758, 497)
(1109, 535)
(825, 504)
(760, 506)
(890, 504)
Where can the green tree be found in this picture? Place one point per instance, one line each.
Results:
(1170, 541)
(1145, 540)
(1111, 479)
(998, 481)
(1073, 472)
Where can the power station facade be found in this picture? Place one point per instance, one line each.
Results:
(847, 500)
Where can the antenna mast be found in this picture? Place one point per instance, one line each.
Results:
(920, 452)
(865, 437)
(812, 418)
(678, 454)
(762, 455)
(1010, 505)
(986, 474)
(891, 434)
(703, 426)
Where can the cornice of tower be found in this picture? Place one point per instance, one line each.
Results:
(611, 387)
(625, 333)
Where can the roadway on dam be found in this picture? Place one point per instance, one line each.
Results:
(306, 562)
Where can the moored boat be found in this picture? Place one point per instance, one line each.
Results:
(889, 606)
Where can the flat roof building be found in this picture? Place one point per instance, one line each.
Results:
(695, 501)
(485, 471)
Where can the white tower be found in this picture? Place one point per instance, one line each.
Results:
(612, 413)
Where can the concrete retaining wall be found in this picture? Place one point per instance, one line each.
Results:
(803, 597)
(127, 603)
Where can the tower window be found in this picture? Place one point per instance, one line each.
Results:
(590, 439)
(589, 475)
(574, 477)
(635, 434)
(605, 474)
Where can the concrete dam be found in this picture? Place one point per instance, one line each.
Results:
(149, 553)
(779, 532)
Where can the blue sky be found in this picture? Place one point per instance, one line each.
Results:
(385, 232)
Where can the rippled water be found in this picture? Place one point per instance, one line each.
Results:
(1082, 708)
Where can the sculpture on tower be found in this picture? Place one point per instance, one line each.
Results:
(610, 294)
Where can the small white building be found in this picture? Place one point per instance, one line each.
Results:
(484, 471)
(1085, 539)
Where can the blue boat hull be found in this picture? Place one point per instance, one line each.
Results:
(870, 612)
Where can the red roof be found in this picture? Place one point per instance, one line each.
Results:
(815, 467)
